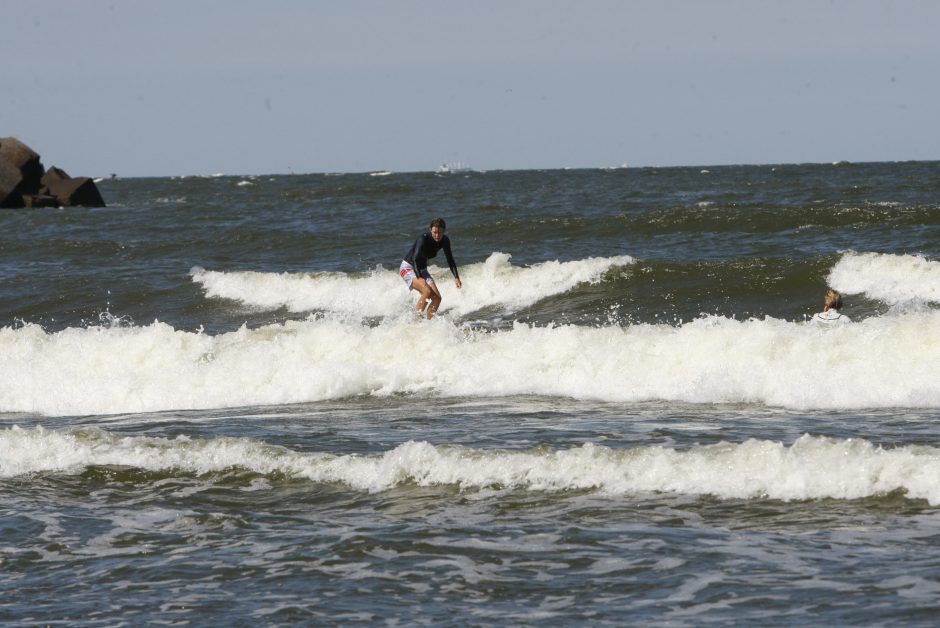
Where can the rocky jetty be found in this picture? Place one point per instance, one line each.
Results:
(25, 183)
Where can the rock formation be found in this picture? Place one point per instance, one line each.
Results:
(23, 183)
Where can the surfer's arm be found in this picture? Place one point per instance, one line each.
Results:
(450, 260)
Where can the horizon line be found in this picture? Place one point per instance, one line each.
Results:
(471, 170)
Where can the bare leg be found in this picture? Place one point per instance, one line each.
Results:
(435, 300)
(426, 292)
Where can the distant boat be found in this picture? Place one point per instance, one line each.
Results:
(453, 167)
(380, 173)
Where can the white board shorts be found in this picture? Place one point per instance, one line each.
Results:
(407, 273)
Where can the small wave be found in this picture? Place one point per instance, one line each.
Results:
(382, 292)
(812, 467)
(890, 278)
(888, 361)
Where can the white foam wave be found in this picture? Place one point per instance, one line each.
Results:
(811, 468)
(893, 279)
(888, 361)
(383, 293)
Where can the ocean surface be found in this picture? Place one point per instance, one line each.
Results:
(217, 407)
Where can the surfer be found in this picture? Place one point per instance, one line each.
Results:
(830, 315)
(414, 268)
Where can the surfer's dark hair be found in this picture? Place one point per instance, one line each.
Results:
(439, 222)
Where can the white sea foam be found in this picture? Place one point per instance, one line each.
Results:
(383, 293)
(812, 467)
(375, 294)
(893, 279)
(889, 361)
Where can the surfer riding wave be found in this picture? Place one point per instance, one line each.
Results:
(414, 268)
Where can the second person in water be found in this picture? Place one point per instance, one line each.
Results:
(831, 315)
(414, 268)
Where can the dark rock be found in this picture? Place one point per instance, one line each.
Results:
(54, 174)
(40, 200)
(23, 183)
(80, 191)
(10, 179)
(26, 160)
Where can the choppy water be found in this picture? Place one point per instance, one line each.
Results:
(216, 408)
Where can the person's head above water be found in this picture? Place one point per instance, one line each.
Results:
(438, 226)
(832, 300)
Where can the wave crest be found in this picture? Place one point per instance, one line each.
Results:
(811, 468)
(892, 279)
(493, 283)
(888, 361)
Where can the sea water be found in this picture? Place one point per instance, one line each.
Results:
(217, 406)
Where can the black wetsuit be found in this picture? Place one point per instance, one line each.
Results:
(425, 248)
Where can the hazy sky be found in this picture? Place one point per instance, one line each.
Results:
(173, 87)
